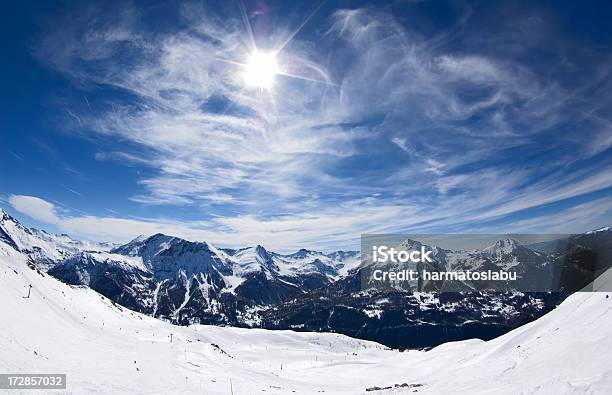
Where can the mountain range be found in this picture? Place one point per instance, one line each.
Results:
(188, 282)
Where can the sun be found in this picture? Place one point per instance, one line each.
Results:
(260, 70)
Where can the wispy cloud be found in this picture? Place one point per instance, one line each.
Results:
(434, 131)
(331, 229)
(283, 233)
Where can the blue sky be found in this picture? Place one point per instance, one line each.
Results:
(407, 116)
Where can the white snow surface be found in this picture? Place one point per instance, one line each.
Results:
(117, 259)
(107, 349)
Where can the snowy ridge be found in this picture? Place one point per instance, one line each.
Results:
(116, 259)
(234, 264)
(48, 249)
(44, 248)
(605, 229)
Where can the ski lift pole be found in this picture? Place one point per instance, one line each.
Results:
(29, 291)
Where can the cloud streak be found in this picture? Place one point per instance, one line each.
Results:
(407, 129)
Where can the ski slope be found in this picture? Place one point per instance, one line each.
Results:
(107, 349)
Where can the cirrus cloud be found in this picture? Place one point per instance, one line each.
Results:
(390, 129)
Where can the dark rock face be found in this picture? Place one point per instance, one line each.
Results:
(407, 320)
(127, 286)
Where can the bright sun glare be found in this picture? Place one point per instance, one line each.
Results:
(260, 70)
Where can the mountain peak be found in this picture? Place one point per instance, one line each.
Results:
(159, 236)
(411, 244)
(507, 242)
(140, 238)
(4, 216)
(261, 249)
(305, 251)
(503, 246)
(301, 253)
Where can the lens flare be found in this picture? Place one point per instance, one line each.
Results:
(260, 70)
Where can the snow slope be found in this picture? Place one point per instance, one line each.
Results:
(107, 349)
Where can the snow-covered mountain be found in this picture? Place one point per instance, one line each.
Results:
(103, 348)
(532, 267)
(195, 282)
(425, 314)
